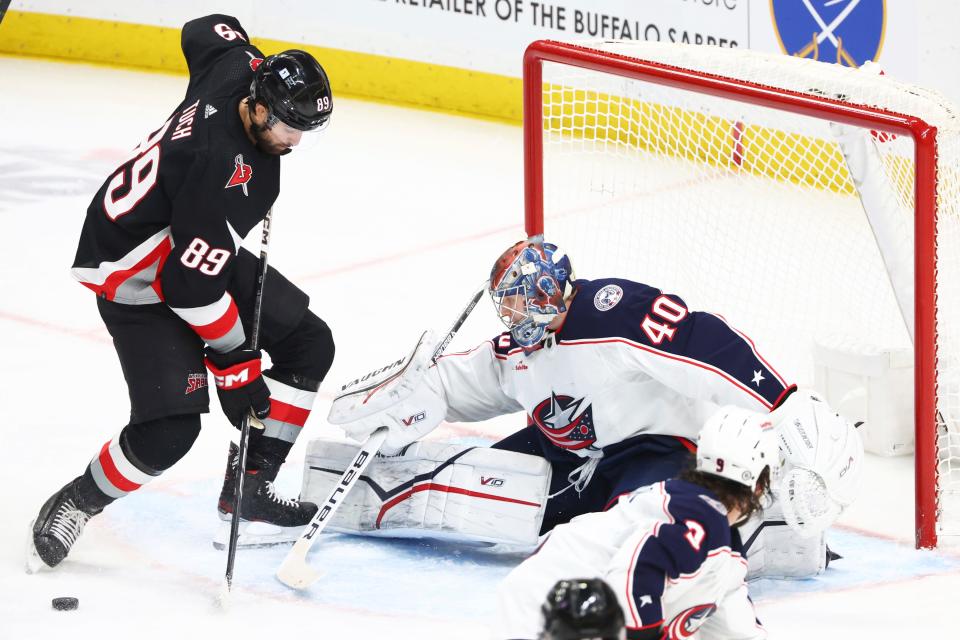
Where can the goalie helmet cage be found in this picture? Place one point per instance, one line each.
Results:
(717, 174)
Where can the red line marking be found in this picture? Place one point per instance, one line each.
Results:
(98, 334)
(433, 246)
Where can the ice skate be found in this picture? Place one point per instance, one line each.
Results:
(266, 518)
(57, 527)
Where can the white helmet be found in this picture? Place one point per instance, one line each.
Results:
(737, 444)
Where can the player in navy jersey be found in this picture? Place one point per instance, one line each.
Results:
(160, 248)
(670, 549)
(616, 378)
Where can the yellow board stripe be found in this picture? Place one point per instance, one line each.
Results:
(405, 82)
(482, 95)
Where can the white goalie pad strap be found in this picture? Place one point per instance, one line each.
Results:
(384, 387)
(435, 490)
(823, 459)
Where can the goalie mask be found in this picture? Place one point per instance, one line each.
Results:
(530, 284)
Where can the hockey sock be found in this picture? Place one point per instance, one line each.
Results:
(291, 399)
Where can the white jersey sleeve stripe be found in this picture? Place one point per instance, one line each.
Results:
(750, 392)
(202, 316)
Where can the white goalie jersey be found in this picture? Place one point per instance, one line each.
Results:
(628, 360)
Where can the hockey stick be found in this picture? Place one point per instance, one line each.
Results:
(294, 571)
(245, 425)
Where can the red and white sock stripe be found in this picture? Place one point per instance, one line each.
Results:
(114, 473)
(289, 409)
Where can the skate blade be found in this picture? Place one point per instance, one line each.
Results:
(33, 562)
(256, 535)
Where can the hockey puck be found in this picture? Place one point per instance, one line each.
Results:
(65, 604)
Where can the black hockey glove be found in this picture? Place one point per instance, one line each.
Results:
(239, 384)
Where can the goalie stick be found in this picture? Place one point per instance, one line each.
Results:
(223, 597)
(294, 571)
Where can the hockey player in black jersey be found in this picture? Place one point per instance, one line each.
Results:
(160, 247)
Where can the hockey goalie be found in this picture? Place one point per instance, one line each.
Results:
(616, 379)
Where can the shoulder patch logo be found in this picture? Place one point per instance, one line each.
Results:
(254, 61)
(608, 297)
(208, 111)
(241, 174)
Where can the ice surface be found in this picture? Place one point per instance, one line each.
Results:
(388, 222)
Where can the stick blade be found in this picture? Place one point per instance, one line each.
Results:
(296, 573)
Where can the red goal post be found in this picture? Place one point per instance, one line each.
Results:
(642, 105)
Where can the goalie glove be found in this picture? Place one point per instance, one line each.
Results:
(823, 458)
(408, 420)
(406, 396)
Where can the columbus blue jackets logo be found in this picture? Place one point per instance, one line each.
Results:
(685, 625)
(847, 32)
(565, 422)
(608, 297)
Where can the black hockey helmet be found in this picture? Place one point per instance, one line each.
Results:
(295, 89)
(580, 609)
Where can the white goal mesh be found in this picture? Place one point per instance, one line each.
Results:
(750, 211)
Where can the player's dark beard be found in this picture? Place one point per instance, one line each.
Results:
(259, 134)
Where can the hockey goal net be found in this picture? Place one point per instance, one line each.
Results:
(797, 199)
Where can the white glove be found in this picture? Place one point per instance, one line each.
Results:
(379, 390)
(416, 415)
(823, 458)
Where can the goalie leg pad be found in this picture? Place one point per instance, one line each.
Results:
(774, 550)
(435, 490)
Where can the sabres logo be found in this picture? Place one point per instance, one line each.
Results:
(254, 61)
(241, 174)
(846, 32)
(565, 424)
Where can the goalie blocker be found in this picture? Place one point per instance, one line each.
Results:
(435, 490)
